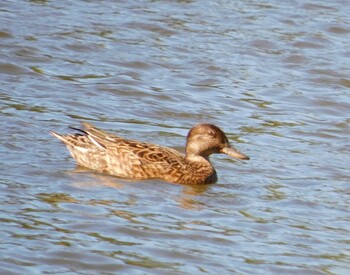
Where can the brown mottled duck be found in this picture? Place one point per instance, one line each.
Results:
(114, 155)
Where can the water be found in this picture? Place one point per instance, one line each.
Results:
(273, 74)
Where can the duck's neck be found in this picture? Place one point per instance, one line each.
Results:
(197, 158)
(202, 171)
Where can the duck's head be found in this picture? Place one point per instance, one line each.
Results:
(206, 139)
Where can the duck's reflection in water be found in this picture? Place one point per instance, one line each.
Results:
(187, 196)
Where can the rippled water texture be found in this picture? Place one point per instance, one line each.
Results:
(273, 74)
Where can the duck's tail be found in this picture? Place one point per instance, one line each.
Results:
(82, 139)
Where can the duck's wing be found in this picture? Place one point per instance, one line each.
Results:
(143, 160)
(144, 151)
(89, 137)
(74, 140)
(150, 153)
(94, 132)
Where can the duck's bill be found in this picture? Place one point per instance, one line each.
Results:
(232, 152)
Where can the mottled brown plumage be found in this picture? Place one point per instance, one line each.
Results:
(114, 155)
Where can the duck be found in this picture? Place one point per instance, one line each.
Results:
(114, 155)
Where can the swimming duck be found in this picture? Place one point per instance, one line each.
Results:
(114, 155)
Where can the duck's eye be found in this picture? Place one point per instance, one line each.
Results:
(211, 134)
